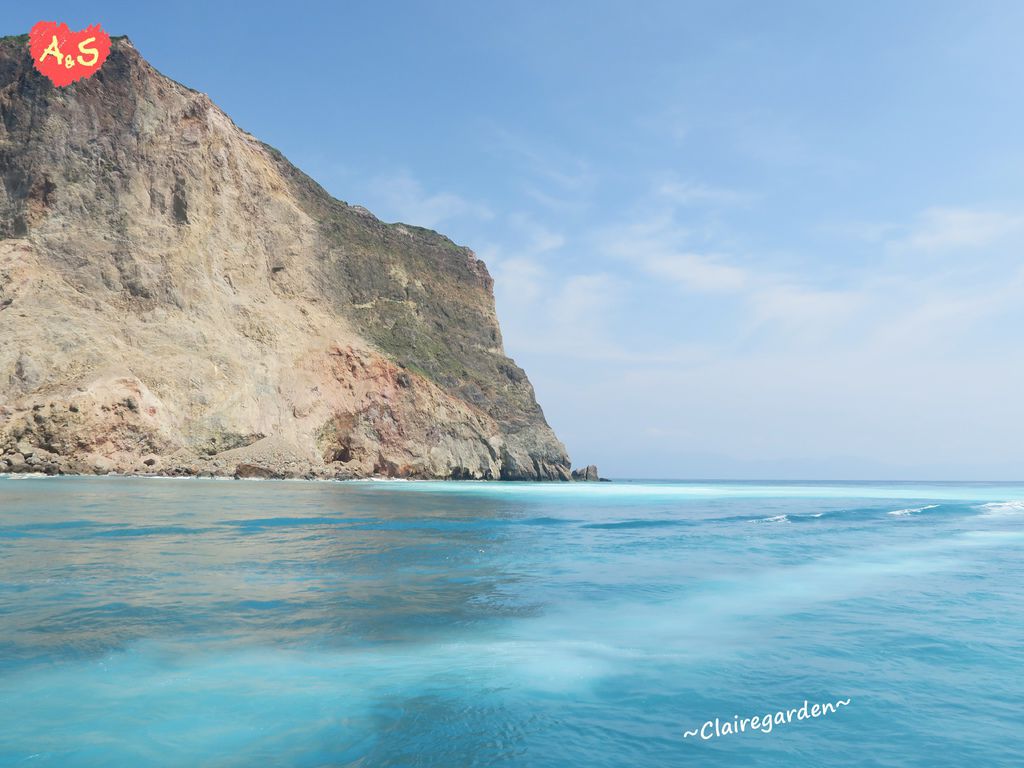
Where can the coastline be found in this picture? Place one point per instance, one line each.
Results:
(314, 478)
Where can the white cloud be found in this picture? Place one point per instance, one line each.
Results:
(557, 166)
(582, 303)
(764, 357)
(519, 269)
(892, 301)
(657, 247)
(536, 238)
(522, 279)
(943, 229)
(706, 273)
(557, 179)
(402, 198)
(690, 192)
(811, 312)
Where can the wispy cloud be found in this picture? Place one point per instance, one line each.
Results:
(661, 247)
(520, 278)
(795, 350)
(581, 303)
(402, 197)
(706, 273)
(945, 229)
(689, 192)
(551, 176)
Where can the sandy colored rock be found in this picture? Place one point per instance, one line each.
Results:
(176, 297)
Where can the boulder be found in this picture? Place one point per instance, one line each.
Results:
(248, 471)
(101, 465)
(587, 474)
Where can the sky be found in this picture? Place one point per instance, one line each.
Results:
(729, 239)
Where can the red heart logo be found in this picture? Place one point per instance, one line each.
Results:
(65, 56)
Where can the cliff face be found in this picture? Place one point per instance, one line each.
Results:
(176, 297)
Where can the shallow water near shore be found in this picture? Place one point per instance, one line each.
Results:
(228, 623)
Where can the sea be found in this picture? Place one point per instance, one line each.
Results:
(201, 622)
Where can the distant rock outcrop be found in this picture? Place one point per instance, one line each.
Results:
(587, 474)
(177, 298)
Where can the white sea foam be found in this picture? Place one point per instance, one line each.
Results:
(1003, 508)
(775, 519)
(911, 510)
(702, 490)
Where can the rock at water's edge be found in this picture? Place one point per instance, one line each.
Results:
(587, 474)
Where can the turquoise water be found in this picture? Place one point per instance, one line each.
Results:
(222, 623)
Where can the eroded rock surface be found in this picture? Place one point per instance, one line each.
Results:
(177, 298)
(587, 474)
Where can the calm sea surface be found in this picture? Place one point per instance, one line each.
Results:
(223, 623)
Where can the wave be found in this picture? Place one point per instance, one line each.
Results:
(860, 515)
(911, 510)
(543, 521)
(1003, 508)
(638, 524)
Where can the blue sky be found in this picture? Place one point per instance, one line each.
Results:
(730, 239)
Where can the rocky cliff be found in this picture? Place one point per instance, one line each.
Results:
(177, 298)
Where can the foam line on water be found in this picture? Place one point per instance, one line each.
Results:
(911, 510)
